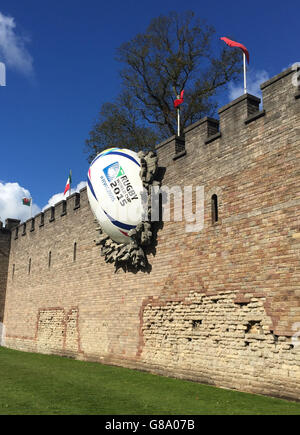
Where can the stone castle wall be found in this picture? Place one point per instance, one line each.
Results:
(4, 259)
(220, 305)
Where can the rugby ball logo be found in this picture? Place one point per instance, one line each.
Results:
(114, 188)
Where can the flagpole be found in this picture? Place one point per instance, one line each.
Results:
(245, 74)
(31, 208)
(70, 182)
(177, 102)
(178, 121)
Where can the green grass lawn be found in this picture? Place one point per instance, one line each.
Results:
(42, 384)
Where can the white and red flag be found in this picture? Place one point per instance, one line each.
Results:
(68, 184)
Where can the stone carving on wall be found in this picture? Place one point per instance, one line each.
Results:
(133, 256)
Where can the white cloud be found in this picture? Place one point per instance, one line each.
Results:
(11, 195)
(254, 80)
(12, 47)
(60, 196)
(293, 64)
(11, 206)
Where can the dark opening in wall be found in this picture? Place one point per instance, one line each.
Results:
(214, 209)
(196, 323)
(13, 271)
(74, 251)
(241, 304)
(29, 266)
(49, 260)
(254, 327)
(275, 338)
(77, 200)
(52, 214)
(64, 208)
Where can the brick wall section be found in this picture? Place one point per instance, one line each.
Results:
(218, 305)
(208, 335)
(4, 258)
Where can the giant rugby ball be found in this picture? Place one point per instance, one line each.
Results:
(114, 188)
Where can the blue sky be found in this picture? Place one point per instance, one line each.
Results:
(61, 67)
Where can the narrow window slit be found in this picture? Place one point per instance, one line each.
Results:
(74, 251)
(214, 209)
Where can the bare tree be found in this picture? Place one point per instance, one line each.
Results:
(176, 52)
(119, 125)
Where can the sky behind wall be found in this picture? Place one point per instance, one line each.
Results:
(60, 58)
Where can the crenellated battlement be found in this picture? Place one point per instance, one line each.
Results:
(51, 214)
(236, 118)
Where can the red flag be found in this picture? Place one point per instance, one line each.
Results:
(179, 101)
(236, 44)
